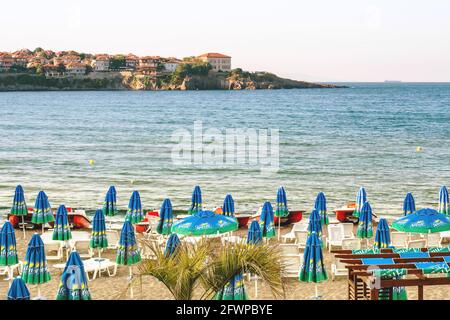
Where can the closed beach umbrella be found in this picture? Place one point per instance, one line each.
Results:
(19, 207)
(172, 244)
(110, 204)
(254, 235)
(196, 201)
(35, 268)
(73, 285)
(423, 221)
(315, 223)
(361, 198)
(128, 252)
(204, 223)
(18, 290)
(266, 220)
(282, 207)
(365, 230)
(134, 213)
(8, 250)
(233, 290)
(312, 268)
(382, 235)
(99, 239)
(409, 205)
(444, 205)
(321, 206)
(61, 230)
(165, 218)
(42, 212)
(228, 206)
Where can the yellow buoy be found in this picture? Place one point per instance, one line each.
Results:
(419, 149)
(91, 162)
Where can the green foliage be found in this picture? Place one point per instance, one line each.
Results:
(198, 68)
(118, 62)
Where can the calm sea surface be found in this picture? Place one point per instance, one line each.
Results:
(331, 140)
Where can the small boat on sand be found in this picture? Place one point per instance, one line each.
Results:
(77, 219)
(345, 213)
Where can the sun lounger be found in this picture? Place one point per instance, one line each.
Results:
(54, 250)
(290, 236)
(289, 249)
(399, 239)
(9, 272)
(96, 266)
(292, 265)
(434, 240)
(300, 238)
(82, 247)
(335, 236)
(348, 230)
(351, 244)
(113, 239)
(417, 243)
(338, 269)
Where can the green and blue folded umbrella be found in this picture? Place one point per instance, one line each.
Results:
(172, 244)
(266, 220)
(42, 212)
(321, 206)
(361, 198)
(134, 212)
(61, 229)
(35, 268)
(196, 201)
(73, 284)
(233, 290)
(18, 290)
(254, 235)
(409, 205)
(128, 251)
(382, 235)
(204, 223)
(365, 229)
(165, 218)
(8, 250)
(313, 268)
(99, 238)
(444, 203)
(19, 207)
(423, 221)
(315, 223)
(110, 204)
(282, 207)
(228, 206)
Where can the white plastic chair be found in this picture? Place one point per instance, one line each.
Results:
(348, 230)
(300, 238)
(113, 239)
(289, 249)
(290, 236)
(292, 265)
(338, 269)
(335, 236)
(399, 239)
(434, 240)
(54, 250)
(417, 243)
(83, 248)
(351, 244)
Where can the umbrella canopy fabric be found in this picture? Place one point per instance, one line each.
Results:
(266, 220)
(315, 223)
(42, 212)
(254, 235)
(321, 206)
(8, 250)
(73, 285)
(228, 206)
(134, 213)
(19, 207)
(35, 268)
(382, 235)
(18, 290)
(444, 205)
(365, 229)
(99, 238)
(282, 207)
(110, 204)
(312, 268)
(128, 251)
(409, 205)
(172, 244)
(204, 223)
(423, 221)
(61, 229)
(233, 290)
(196, 201)
(361, 198)
(165, 218)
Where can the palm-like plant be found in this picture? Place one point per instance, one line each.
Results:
(192, 267)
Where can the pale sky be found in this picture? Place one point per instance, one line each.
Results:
(320, 40)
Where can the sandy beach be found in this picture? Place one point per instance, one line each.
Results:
(112, 288)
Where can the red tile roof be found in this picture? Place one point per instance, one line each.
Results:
(213, 55)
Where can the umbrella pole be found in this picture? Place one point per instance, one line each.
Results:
(131, 287)
(42, 229)
(279, 228)
(23, 227)
(317, 292)
(256, 287)
(10, 276)
(38, 291)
